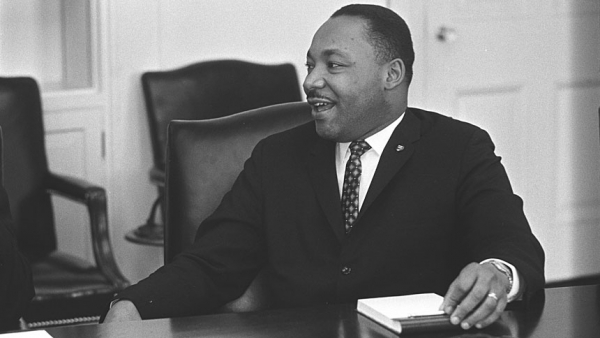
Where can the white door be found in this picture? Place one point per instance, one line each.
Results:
(527, 72)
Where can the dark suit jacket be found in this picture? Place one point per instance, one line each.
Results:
(16, 286)
(440, 203)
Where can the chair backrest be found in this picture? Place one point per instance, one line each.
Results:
(205, 157)
(26, 166)
(1, 156)
(212, 89)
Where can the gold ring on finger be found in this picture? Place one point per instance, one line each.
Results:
(493, 295)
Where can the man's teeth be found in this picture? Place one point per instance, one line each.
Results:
(322, 106)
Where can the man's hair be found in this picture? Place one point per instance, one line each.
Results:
(387, 32)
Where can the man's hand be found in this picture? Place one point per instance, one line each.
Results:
(122, 311)
(477, 296)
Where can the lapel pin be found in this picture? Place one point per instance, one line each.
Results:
(399, 147)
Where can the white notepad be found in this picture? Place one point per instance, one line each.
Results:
(392, 311)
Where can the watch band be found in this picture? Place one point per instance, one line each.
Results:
(506, 271)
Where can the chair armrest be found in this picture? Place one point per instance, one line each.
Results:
(94, 197)
(73, 188)
(157, 176)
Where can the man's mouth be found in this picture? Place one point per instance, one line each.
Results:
(320, 105)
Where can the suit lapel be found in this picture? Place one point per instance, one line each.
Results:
(322, 173)
(398, 150)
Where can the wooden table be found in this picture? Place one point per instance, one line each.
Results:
(569, 312)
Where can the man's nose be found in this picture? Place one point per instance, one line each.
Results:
(313, 80)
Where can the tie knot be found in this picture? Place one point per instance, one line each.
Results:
(359, 147)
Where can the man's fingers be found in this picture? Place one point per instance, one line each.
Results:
(481, 319)
(459, 288)
(473, 299)
(487, 312)
(122, 311)
(452, 298)
(476, 297)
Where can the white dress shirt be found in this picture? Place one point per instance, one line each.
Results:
(369, 160)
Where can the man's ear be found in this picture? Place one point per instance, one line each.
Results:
(395, 74)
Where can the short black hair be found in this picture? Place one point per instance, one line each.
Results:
(387, 32)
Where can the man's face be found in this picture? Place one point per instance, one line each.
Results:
(345, 83)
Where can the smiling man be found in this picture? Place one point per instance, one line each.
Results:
(349, 82)
(370, 199)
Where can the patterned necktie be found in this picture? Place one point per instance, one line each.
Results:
(352, 183)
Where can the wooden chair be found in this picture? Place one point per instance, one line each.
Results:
(203, 159)
(68, 289)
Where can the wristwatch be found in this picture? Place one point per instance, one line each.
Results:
(506, 271)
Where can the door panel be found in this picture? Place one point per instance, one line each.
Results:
(74, 143)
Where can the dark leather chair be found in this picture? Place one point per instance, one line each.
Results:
(68, 289)
(16, 285)
(203, 159)
(207, 90)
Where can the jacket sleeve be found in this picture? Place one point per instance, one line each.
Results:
(492, 216)
(16, 286)
(227, 254)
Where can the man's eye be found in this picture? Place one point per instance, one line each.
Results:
(333, 65)
(309, 67)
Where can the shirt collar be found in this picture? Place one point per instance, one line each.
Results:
(377, 141)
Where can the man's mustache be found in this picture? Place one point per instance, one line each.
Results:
(313, 94)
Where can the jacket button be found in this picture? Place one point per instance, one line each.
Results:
(346, 270)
